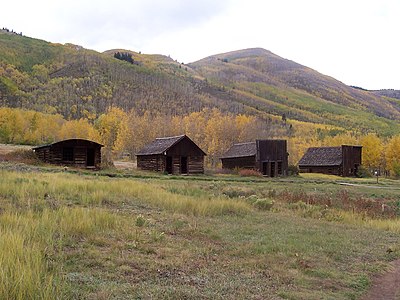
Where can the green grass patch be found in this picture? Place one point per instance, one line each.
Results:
(87, 236)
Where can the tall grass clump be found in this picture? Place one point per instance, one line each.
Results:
(392, 225)
(24, 272)
(39, 190)
(196, 206)
(31, 248)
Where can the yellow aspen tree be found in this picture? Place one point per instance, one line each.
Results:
(372, 151)
(81, 129)
(194, 126)
(340, 139)
(392, 155)
(108, 125)
(246, 128)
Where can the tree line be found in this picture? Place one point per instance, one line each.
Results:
(214, 131)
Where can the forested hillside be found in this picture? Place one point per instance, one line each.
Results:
(124, 99)
(282, 86)
(75, 82)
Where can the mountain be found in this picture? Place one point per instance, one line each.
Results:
(77, 82)
(388, 93)
(300, 92)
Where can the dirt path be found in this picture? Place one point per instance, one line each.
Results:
(367, 186)
(124, 165)
(386, 286)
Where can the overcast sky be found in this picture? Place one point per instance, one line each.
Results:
(354, 41)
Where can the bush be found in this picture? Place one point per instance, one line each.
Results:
(236, 192)
(396, 170)
(249, 172)
(363, 172)
(293, 170)
(22, 156)
(219, 171)
(264, 204)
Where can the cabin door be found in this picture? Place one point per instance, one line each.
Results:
(90, 154)
(268, 168)
(265, 168)
(272, 173)
(168, 165)
(184, 165)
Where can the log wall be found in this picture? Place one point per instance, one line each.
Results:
(248, 162)
(195, 164)
(151, 162)
(78, 149)
(330, 170)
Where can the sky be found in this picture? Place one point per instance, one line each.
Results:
(354, 41)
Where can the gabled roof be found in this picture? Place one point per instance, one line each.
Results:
(241, 150)
(322, 156)
(160, 145)
(67, 140)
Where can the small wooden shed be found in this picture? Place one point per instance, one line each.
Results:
(173, 155)
(342, 161)
(269, 157)
(79, 153)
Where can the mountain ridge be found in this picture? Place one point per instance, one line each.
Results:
(48, 77)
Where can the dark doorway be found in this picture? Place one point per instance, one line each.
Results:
(265, 168)
(272, 173)
(280, 168)
(184, 166)
(90, 157)
(68, 154)
(168, 166)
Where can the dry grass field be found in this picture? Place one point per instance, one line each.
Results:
(132, 235)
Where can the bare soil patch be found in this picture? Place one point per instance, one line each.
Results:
(386, 286)
(124, 165)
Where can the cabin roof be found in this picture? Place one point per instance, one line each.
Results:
(160, 145)
(67, 141)
(241, 150)
(322, 156)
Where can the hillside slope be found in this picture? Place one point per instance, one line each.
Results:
(77, 82)
(285, 87)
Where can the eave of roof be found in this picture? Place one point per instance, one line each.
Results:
(67, 140)
(161, 145)
(241, 150)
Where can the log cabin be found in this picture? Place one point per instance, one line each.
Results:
(78, 153)
(172, 155)
(342, 161)
(269, 157)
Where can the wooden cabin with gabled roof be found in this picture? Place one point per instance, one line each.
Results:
(172, 155)
(269, 157)
(78, 153)
(342, 161)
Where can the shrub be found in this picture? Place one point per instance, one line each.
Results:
(140, 221)
(264, 204)
(219, 171)
(23, 156)
(237, 192)
(249, 172)
(363, 172)
(396, 170)
(293, 170)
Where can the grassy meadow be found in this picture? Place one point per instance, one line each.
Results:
(133, 235)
